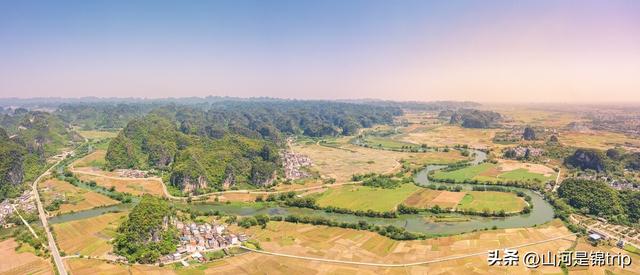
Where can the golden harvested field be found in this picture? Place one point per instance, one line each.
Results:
(88, 236)
(129, 185)
(473, 200)
(98, 134)
(14, 262)
(341, 163)
(77, 266)
(597, 139)
(584, 245)
(533, 116)
(78, 199)
(511, 165)
(449, 135)
(424, 198)
(95, 159)
(353, 245)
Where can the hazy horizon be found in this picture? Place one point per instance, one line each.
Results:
(488, 52)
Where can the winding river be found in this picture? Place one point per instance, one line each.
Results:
(542, 211)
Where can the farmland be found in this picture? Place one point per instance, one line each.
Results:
(353, 245)
(466, 200)
(16, 261)
(341, 160)
(88, 236)
(451, 135)
(365, 198)
(598, 140)
(133, 186)
(75, 198)
(501, 172)
(98, 134)
(95, 159)
(491, 201)
(386, 143)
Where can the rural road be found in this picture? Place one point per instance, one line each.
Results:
(53, 248)
(244, 191)
(400, 264)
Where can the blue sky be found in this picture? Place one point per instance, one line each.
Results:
(405, 50)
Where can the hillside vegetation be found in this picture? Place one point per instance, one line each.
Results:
(146, 234)
(26, 140)
(232, 143)
(597, 198)
(472, 118)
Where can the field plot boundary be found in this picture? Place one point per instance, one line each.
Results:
(444, 259)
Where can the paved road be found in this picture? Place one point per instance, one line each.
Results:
(400, 264)
(53, 248)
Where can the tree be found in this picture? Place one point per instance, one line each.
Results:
(529, 134)
(595, 197)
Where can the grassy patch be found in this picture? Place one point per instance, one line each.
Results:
(463, 174)
(491, 201)
(522, 174)
(489, 172)
(365, 198)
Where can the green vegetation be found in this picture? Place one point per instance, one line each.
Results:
(35, 136)
(488, 173)
(471, 118)
(377, 180)
(591, 197)
(194, 162)
(393, 232)
(522, 174)
(232, 142)
(463, 174)
(142, 237)
(491, 201)
(587, 159)
(365, 197)
(632, 249)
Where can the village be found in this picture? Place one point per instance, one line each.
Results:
(293, 163)
(196, 239)
(24, 203)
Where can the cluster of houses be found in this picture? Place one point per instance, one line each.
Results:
(624, 185)
(292, 164)
(520, 152)
(131, 173)
(618, 184)
(24, 202)
(197, 238)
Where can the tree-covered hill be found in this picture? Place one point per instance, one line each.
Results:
(472, 118)
(597, 198)
(611, 161)
(26, 140)
(89, 116)
(146, 234)
(40, 132)
(195, 162)
(231, 142)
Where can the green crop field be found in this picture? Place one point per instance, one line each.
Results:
(464, 173)
(365, 198)
(492, 201)
(523, 174)
(488, 172)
